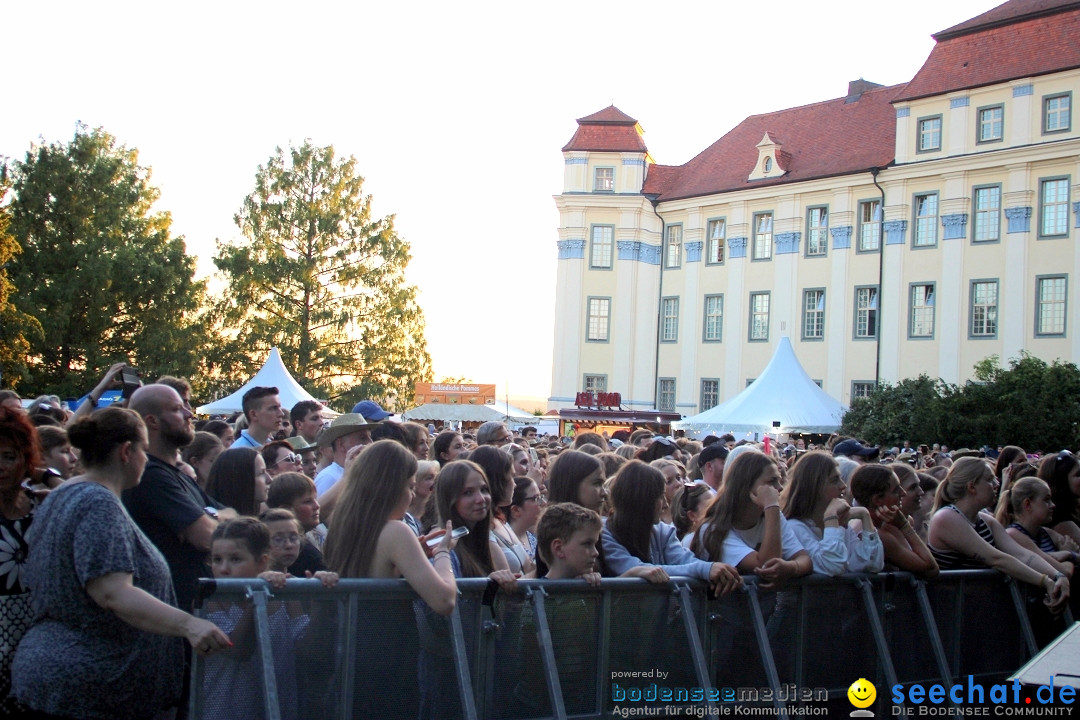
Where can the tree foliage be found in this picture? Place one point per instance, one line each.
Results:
(15, 325)
(99, 268)
(318, 277)
(1031, 403)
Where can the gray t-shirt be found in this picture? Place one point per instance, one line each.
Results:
(79, 659)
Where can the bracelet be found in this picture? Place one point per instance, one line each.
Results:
(831, 517)
(774, 505)
(1072, 557)
(1043, 579)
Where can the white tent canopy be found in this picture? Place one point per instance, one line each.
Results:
(272, 374)
(446, 412)
(782, 392)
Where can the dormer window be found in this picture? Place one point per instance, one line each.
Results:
(772, 161)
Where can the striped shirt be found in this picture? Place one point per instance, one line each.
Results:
(952, 560)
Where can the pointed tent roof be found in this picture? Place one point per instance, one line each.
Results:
(783, 391)
(272, 374)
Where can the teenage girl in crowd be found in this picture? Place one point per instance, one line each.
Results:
(634, 537)
(821, 518)
(498, 468)
(1024, 509)
(744, 527)
(238, 479)
(447, 446)
(1062, 473)
(876, 488)
(369, 539)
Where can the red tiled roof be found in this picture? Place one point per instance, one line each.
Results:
(829, 138)
(610, 114)
(660, 178)
(610, 130)
(1005, 14)
(999, 53)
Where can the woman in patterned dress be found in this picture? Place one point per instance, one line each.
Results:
(19, 455)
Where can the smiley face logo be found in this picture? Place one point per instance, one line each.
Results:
(862, 693)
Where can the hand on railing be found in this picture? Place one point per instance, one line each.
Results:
(723, 578)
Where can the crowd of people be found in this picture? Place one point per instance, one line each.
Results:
(109, 518)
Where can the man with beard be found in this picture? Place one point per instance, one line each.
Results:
(167, 505)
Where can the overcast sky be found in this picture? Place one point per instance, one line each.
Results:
(456, 113)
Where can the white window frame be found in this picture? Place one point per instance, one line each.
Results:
(1054, 208)
(866, 312)
(669, 320)
(1050, 309)
(710, 393)
(813, 319)
(986, 210)
(763, 236)
(665, 394)
(817, 230)
(713, 329)
(759, 316)
(598, 319)
(604, 179)
(929, 131)
(922, 298)
(984, 309)
(990, 124)
(673, 244)
(601, 249)
(925, 207)
(716, 236)
(1057, 113)
(869, 239)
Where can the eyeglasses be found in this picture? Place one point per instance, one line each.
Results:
(291, 457)
(283, 540)
(538, 499)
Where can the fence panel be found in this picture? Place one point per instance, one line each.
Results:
(371, 648)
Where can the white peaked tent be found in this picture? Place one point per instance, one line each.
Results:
(783, 391)
(272, 374)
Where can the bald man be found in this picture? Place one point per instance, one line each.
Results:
(167, 504)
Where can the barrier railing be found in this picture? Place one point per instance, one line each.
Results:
(559, 649)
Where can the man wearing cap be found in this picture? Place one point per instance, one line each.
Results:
(855, 450)
(711, 461)
(262, 408)
(346, 432)
(371, 411)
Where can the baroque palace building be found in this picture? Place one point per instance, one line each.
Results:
(918, 228)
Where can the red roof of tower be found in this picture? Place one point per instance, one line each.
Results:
(609, 130)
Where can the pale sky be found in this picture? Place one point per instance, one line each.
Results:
(456, 113)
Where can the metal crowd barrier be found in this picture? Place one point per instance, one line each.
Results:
(560, 649)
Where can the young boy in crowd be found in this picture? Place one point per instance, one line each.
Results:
(566, 540)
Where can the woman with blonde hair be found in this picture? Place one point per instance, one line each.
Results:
(1023, 510)
(964, 535)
